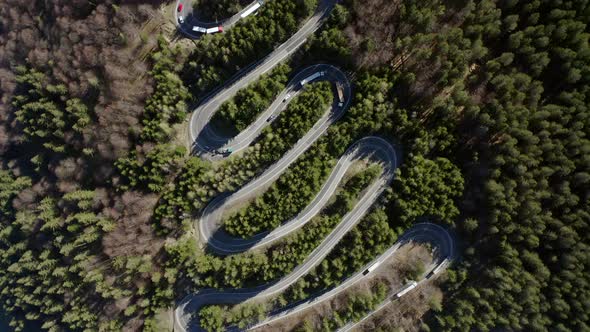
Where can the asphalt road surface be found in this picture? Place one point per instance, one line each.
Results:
(434, 234)
(422, 232)
(185, 19)
(206, 141)
(376, 149)
(372, 147)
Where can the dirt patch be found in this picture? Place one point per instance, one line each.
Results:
(407, 313)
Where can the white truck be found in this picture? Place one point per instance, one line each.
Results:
(371, 268)
(251, 10)
(438, 268)
(408, 287)
(340, 90)
(214, 30)
(312, 77)
(199, 29)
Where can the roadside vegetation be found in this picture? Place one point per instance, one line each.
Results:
(487, 100)
(167, 105)
(201, 183)
(217, 57)
(214, 10)
(255, 268)
(279, 259)
(240, 111)
(379, 287)
(292, 191)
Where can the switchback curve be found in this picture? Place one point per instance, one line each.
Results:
(189, 20)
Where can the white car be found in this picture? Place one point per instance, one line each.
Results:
(180, 19)
(287, 97)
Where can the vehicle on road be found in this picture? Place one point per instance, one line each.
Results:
(340, 90)
(180, 19)
(438, 268)
(224, 151)
(199, 29)
(180, 6)
(251, 10)
(371, 268)
(215, 29)
(287, 97)
(312, 77)
(271, 118)
(408, 287)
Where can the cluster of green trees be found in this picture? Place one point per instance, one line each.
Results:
(10, 186)
(150, 168)
(46, 112)
(52, 270)
(166, 106)
(248, 269)
(240, 111)
(425, 187)
(198, 182)
(331, 44)
(154, 171)
(371, 237)
(216, 318)
(528, 266)
(290, 193)
(217, 57)
(215, 10)
(46, 281)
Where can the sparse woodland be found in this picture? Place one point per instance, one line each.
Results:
(487, 100)
(75, 254)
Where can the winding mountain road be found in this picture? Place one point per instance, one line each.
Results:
(190, 19)
(374, 148)
(206, 141)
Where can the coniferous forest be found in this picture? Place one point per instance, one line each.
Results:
(99, 188)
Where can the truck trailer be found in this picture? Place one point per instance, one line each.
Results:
(438, 268)
(406, 289)
(199, 29)
(312, 77)
(340, 90)
(251, 10)
(371, 268)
